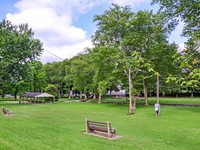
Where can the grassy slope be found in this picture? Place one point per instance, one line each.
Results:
(60, 126)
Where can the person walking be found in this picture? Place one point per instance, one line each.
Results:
(157, 109)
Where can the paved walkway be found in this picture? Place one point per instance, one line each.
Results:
(69, 101)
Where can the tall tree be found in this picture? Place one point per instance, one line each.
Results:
(68, 77)
(55, 73)
(104, 66)
(113, 26)
(38, 76)
(17, 47)
(133, 35)
(82, 73)
(189, 78)
(188, 12)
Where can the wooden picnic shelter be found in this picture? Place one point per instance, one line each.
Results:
(37, 97)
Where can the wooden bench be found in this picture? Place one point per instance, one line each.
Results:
(6, 112)
(101, 128)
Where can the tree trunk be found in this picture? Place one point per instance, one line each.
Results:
(157, 90)
(176, 93)
(134, 104)
(3, 94)
(149, 93)
(94, 96)
(69, 93)
(100, 98)
(130, 92)
(81, 94)
(15, 93)
(192, 93)
(59, 91)
(110, 92)
(145, 93)
(85, 96)
(163, 94)
(62, 91)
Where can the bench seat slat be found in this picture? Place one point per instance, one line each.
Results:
(96, 125)
(98, 128)
(93, 122)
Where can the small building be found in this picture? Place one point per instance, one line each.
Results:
(121, 93)
(37, 97)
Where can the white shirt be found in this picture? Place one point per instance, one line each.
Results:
(157, 107)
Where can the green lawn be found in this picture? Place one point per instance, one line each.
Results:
(61, 126)
(180, 100)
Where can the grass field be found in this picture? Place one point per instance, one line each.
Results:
(61, 126)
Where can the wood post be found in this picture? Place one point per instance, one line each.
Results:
(157, 89)
(99, 102)
(130, 92)
(108, 127)
(86, 125)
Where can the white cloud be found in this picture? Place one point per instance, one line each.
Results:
(60, 6)
(181, 47)
(127, 2)
(176, 34)
(65, 51)
(49, 27)
(52, 22)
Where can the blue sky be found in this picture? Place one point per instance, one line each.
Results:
(65, 26)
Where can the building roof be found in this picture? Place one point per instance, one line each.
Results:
(37, 94)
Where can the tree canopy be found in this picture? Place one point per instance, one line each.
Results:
(188, 60)
(17, 47)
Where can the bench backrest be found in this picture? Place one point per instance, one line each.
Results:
(94, 123)
(5, 111)
(100, 126)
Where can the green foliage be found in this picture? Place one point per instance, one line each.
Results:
(189, 62)
(52, 89)
(188, 12)
(106, 71)
(55, 74)
(102, 87)
(38, 76)
(17, 48)
(112, 25)
(82, 72)
(182, 10)
(138, 41)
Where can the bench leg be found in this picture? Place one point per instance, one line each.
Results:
(108, 126)
(86, 125)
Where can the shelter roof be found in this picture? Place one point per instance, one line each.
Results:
(37, 94)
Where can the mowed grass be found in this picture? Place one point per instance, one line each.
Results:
(61, 126)
(172, 100)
